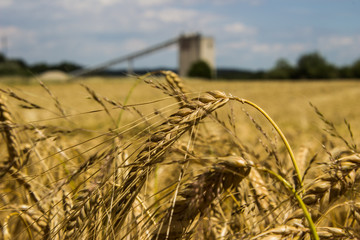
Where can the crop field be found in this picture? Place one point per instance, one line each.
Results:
(158, 157)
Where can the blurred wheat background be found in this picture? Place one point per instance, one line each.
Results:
(158, 157)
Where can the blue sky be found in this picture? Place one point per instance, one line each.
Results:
(249, 34)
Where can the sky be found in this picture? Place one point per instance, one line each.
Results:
(249, 34)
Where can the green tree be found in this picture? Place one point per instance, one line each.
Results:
(12, 68)
(39, 68)
(21, 63)
(200, 69)
(356, 69)
(2, 58)
(67, 66)
(281, 70)
(313, 65)
(345, 72)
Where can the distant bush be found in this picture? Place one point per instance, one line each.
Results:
(345, 72)
(281, 70)
(235, 74)
(63, 66)
(2, 58)
(200, 69)
(356, 69)
(39, 68)
(13, 67)
(314, 66)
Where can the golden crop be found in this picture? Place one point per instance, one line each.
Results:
(156, 157)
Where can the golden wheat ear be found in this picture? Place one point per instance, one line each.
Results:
(37, 224)
(198, 195)
(10, 136)
(174, 85)
(158, 143)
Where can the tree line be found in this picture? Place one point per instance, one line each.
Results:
(309, 66)
(11, 67)
(312, 66)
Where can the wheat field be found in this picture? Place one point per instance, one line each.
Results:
(159, 157)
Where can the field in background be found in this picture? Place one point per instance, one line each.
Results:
(287, 102)
(121, 159)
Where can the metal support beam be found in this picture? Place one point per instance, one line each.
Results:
(130, 66)
(130, 56)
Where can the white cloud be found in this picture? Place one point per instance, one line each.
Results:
(297, 47)
(109, 2)
(148, 3)
(133, 44)
(19, 42)
(5, 3)
(238, 45)
(278, 48)
(239, 28)
(148, 26)
(267, 48)
(88, 6)
(17, 35)
(76, 6)
(171, 15)
(337, 41)
(249, 53)
(9, 31)
(225, 2)
(253, 2)
(340, 49)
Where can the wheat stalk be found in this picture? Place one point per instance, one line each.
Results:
(83, 212)
(112, 195)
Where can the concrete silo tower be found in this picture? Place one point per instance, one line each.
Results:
(193, 48)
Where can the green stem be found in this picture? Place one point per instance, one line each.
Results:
(298, 198)
(139, 79)
(126, 100)
(282, 136)
(280, 178)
